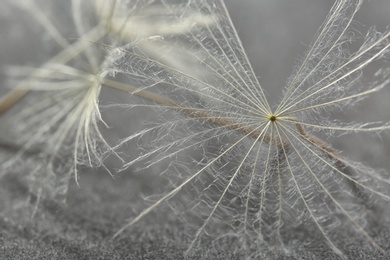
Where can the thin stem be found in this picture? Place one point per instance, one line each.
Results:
(192, 112)
(11, 98)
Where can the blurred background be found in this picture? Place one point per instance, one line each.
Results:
(275, 35)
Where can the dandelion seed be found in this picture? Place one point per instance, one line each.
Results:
(269, 177)
(63, 119)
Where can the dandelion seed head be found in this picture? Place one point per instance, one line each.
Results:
(270, 176)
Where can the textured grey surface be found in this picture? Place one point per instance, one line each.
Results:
(275, 34)
(82, 229)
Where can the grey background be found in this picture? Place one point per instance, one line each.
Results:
(275, 34)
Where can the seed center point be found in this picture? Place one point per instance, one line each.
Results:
(272, 118)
